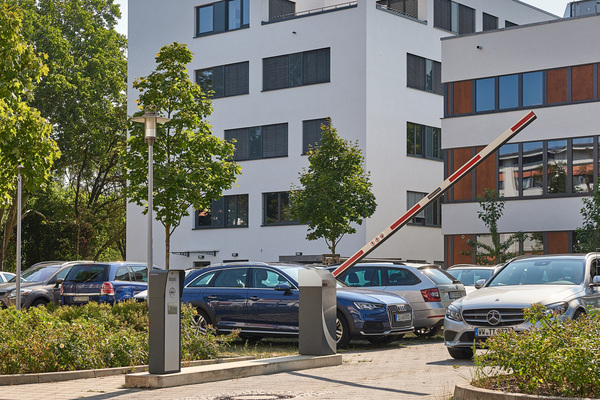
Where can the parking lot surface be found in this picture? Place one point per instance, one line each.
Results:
(414, 371)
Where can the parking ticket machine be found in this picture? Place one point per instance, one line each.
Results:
(164, 317)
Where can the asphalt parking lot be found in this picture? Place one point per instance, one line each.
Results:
(402, 371)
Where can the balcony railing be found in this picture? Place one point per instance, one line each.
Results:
(308, 13)
(398, 12)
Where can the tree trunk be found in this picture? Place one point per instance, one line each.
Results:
(167, 245)
(11, 223)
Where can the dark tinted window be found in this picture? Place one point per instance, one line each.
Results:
(363, 276)
(401, 277)
(122, 274)
(232, 278)
(139, 273)
(88, 273)
(39, 273)
(204, 280)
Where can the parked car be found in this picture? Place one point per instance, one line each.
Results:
(6, 276)
(101, 282)
(428, 289)
(565, 284)
(39, 285)
(468, 274)
(261, 299)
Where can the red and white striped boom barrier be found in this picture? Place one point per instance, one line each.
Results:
(440, 190)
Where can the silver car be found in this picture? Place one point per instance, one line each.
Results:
(428, 289)
(566, 284)
(468, 274)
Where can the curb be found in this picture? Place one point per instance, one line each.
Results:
(464, 391)
(22, 379)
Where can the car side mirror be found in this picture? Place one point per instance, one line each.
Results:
(596, 280)
(58, 282)
(283, 287)
(479, 284)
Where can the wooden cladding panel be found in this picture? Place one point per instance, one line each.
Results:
(463, 189)
(582, 82)
(463, 97)
(557, 86)
(460, 245)
(485, 174)
(558, 242)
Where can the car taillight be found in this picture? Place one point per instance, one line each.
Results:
(107, 288)
(431, 294)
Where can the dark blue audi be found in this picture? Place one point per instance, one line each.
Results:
(261, 299)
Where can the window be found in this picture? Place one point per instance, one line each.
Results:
(259, 141)
(227, 212)
(508, 92)
(423, 74)
(489, 22)
(533, 168)
(222, 16)
(533, 88)
(557, 166)
(485, 93)
(203, 280)
(224, 80)
(298, 69)
(508, 24)
(280, 8)
(312, 133)
(583, 165)
(232, 278)
(122, 274)
(424, 141)
(276, 209)
(406, 7)
(431, 215)
(453, 17)
(139, 273)
(508, 170)
(401, 277)
(263, 278)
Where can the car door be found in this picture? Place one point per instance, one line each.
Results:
(139, 279)
(227, 298)
(270, 306)
(51, 284)
(592, 292)
(402, 281)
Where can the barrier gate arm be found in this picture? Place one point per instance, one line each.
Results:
(440, 190)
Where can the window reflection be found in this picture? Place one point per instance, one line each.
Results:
(508, 91)
(485, 94)
(508, 170)
(583, 165)
(534, 243)
(533, 89)
(557, 166)
(533, 168)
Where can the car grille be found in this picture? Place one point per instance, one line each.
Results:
(508, 316)
(393, 309)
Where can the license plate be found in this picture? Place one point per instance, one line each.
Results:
(487, 332)
(402, 317)
(455, 295)
(81, 298)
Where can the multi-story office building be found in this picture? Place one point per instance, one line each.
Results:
(278, 69)
(492, 79)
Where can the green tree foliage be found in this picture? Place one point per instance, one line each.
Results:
(83, 97)
(492, 208)
(191, 166)
(24, 135)
(588, 236)
(335, 191)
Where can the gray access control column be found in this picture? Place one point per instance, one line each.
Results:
(317, 312)
(164, 318)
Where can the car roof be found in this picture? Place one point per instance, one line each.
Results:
(473, 266)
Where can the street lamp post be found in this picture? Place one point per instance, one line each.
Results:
(18, 286)
(150, 120)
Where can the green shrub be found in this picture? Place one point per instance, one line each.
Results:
(557, 358)
(47, 339)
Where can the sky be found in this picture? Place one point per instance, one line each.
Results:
(556, 7)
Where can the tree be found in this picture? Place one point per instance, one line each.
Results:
(83, 97)
(588, 236)
(492, 208)
(334, 192)
(24, 135)
(191, 166)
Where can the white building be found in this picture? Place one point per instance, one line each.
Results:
(493, 79)
(278, 69)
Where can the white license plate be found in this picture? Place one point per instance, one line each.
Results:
(455, 295)
(487, 332)
(81, 298)
(402, 317)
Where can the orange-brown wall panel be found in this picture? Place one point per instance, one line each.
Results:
(557, 86)
(463, 189)
(460, 246)
(463, 97)
(582, 82)
(485, 174)
(558, 242)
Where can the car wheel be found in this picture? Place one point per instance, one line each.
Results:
(464, 353)
(39, 303)
(428, 331)
(342, 332)
(578, 314)
(384, 339)
(200, 321)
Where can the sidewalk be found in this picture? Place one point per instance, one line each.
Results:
(422, 371)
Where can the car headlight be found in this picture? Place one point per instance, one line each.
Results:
(556, 309)
(453, 313)
(23, 293)
(363, 305)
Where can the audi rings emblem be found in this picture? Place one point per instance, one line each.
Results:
(493, 318)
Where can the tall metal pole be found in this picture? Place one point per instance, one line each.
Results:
(150, 199)
(18, 287)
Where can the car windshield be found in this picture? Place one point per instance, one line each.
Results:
(468, 276)
(541, 271)
(438, 276)
(37, 274)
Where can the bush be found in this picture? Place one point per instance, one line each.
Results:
(559, 357)
(91, 336)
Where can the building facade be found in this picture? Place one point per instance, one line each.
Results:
(546, 170)
(278, 69)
